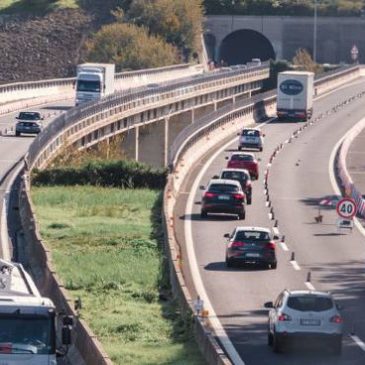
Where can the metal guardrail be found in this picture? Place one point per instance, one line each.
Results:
(124, 101)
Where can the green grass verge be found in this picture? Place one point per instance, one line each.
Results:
(105, 246)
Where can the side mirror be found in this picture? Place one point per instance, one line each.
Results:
(238, 134)
(215, 177)
(226, 235)
(269, 305)
(259, 159)
(66, 335)
(202, 187)
(16, 117)
(263, 134)
(227, 158)
(42, 118)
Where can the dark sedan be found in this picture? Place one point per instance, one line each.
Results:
(251, 246)
(224, 196)
(243, 177)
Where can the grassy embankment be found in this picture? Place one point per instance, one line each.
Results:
(106, 246)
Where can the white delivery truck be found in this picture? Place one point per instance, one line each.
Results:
(28, 321)
(295, 95)
(94, 81)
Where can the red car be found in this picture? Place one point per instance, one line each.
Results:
(244, 161)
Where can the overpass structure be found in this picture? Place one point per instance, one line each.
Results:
(237, 39)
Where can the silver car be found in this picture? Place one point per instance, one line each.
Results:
(304, 314)
(251, 138)
(28, 123)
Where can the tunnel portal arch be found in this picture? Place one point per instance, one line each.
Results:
(242, 45)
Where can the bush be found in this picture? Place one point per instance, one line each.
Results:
(130, 47)
(121, 174)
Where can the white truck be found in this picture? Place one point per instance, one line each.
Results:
(295, 95)
(28, 321)
(94, 81)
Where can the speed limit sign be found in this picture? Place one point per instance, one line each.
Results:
(346, 208)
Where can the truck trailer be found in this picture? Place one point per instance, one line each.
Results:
(28, 322)
(94, 81)
(295, 95)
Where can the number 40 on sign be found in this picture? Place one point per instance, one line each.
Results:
(346, 208)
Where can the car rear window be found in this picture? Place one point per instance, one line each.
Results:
(29, 116)
(234, 175)
(310, 303)
(223, 188)
(242, 158)
(252, 236)
(250, 133)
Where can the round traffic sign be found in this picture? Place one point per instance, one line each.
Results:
(346, 208)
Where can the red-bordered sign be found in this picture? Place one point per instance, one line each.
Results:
(346, 208)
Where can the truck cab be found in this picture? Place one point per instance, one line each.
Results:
(28, 321)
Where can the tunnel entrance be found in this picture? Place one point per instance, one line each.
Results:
(242, 45)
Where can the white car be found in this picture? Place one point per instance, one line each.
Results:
(304, 315)
(251, 138)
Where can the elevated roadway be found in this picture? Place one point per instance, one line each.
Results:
(298, 179)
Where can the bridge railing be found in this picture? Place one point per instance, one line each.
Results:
(124, 80)
(81, 117)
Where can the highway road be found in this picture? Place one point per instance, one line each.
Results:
(298, 179)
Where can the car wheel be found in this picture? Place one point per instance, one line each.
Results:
(242, 215)
(229, 263)
(337, 346)
(276, 344)
(270, 339)
(249, 200)
(274, 265)
(203, 214)
(239, 148)
(260, 149)
(17, 133)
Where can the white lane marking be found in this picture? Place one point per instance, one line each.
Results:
(335, 187)
(295, 265)
(284, 246)
(309, 285)
(358, 342)
(194, 267)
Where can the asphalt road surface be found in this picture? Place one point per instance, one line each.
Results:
(298, 180)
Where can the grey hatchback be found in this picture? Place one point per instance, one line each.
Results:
(28, 123)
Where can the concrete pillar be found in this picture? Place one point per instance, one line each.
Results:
(128, 144)
(136, 156)
(166, 144)
(192, 116)
(177, 123)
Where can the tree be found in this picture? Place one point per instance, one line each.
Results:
(130, 47)
(303, 61)
(177, 21)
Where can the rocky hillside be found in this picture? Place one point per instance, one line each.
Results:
(34, 48)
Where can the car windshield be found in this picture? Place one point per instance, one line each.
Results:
(29, 116)
(250, 133)
(26, 335)
(252, 236)
(242, 158)
(223, 188)
(310, 303)
(234, 175)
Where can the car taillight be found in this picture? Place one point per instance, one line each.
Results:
(271, 245)
(284, 317)
(238, 196)
(209, 195)
(336, 319)
(237, 244)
